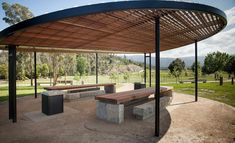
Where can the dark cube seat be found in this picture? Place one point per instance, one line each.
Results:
(52, 102)
(138, 85)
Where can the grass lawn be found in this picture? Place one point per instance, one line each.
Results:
(25, 91)
(225, 93)
(21, 91)
(214, 91)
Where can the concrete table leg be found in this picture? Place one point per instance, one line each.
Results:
(110, 112)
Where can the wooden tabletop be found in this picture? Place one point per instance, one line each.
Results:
(122, 97)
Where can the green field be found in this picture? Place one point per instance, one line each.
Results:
(210, 90)
(213, 90)
(21, 91)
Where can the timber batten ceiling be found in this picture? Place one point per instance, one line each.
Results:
(126, 26)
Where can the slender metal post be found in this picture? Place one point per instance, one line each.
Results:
(12, 83)
(150, 69)
(196, 73)
(31, 70)
(10, 80)
(157, 76)
(96, 65)
(35, 75)
(145, 68)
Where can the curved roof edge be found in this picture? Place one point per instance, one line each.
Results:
(109, 7)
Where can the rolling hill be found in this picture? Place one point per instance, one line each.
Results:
(164, 62)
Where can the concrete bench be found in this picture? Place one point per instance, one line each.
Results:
(110, 107)
(147, 110)
(78, 95)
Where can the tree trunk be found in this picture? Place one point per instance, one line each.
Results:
(54, 72)
(50, 76)
(65, 80)
(50, 79)
(55, 77)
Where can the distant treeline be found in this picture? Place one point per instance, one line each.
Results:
(55, 65)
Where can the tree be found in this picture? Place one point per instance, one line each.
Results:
(199, 68)
(29, 66)
(44, 70)
(38, 69)
(56, 62)
(14, 14)
(3, 65)
(176, 68)
(142, 74)
(21, 66)
(77, 76)
(3, 71)
(69, 65)
(215, 62)
(126, 76)
(230, 66)
(81, 65)
(113, 76)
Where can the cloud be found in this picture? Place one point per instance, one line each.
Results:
(223, 41)
(230, 16)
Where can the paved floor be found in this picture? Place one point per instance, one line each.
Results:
(183, 121)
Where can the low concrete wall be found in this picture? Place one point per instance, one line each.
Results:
(147, 110)
(75, 96)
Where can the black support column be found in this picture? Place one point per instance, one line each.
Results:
(12, 82)
(196, 73)
(157, 76)
(97, 68)
(150, 69)
(35, 75)
(145, 68)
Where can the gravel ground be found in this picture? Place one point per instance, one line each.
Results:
(183, 121)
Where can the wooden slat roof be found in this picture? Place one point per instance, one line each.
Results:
(126, 26)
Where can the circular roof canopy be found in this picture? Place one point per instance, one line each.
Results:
(126, 26)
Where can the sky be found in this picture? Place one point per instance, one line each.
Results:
(223, 41)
